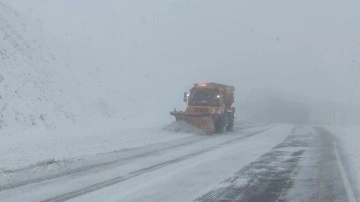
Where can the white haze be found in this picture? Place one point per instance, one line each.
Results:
(130, 60)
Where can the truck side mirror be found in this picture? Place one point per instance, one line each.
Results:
(186, 95)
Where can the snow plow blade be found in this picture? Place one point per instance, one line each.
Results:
(204, 121)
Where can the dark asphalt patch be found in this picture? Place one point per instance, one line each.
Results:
(266, 179)
(319, 178)
(303, 168)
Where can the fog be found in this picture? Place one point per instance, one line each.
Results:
(139, 56)
(300, 47)
(88, 90)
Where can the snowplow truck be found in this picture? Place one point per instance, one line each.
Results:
(209, 107)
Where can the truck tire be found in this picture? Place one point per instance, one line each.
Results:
(219, 125)
(230, 126)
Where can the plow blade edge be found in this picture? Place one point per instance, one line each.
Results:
(204, 121)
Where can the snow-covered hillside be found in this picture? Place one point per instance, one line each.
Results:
(29, 96)
(46, 82)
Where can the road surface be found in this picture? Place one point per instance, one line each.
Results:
(267, 163)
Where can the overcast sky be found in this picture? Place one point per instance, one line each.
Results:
(308, 48)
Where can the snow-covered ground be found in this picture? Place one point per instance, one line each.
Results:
(30, 97)
(293, 163)
(40, 152)
(171, 158)
(33, 149)
(349, 137)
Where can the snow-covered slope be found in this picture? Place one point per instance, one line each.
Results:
(49, 81)
(29, 97)
(113, 69)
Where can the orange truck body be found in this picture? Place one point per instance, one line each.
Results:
(209, 107)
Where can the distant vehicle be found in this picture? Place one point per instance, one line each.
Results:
(209, 107)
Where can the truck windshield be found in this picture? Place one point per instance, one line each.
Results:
(207, 97)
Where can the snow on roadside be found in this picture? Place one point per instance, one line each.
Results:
(31, 149)
(349, 142)
(42, 154)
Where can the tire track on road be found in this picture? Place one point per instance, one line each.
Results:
(267, 178)
(116, 180)
(139, 153)
(123, 161)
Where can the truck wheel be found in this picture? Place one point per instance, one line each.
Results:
(219, 126)
(230, 126)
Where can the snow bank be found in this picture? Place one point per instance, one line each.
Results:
(62, 145)
(350, 138)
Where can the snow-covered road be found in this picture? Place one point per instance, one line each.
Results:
(290, 163)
